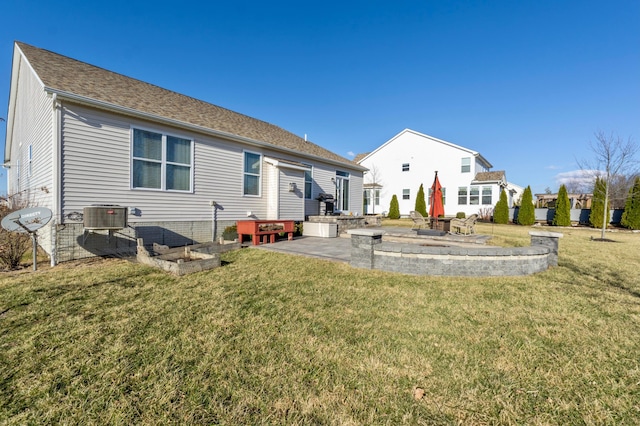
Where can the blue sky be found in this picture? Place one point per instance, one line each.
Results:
(525, 83)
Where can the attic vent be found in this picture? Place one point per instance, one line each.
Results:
(105, 217)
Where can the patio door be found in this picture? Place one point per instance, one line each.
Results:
(342, 191)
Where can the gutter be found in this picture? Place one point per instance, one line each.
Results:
(193, 127)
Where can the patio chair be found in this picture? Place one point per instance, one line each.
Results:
(464, 226)
(419, 221)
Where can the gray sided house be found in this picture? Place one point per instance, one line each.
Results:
(80, 136)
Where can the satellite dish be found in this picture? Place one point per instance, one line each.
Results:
(27, 220)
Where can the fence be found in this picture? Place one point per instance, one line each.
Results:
(580, 216)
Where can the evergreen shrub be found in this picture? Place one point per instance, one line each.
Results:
(526, 213)
(421, 205)
(501, 211)
(394, 208)
(562, 215)
(631, 214)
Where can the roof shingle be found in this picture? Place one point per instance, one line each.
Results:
(64, 74)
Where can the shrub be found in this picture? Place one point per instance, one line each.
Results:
(421, 205)
(485, 213)
(631, 214)
(526, 213)
(597, 204)
(460, 215)
(13, 245)
(501, 211)
(394, 208)
(230, 233)
(562, 215)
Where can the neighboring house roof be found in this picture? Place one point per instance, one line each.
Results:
(491, 177)
(471, 152)
(85, 83)
(359, 157)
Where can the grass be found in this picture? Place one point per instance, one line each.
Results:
(277, 339)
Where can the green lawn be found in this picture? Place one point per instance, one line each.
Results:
(276, 339)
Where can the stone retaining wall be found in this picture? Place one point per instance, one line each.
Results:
(368, 250)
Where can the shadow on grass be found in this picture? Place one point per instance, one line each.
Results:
(611, 279)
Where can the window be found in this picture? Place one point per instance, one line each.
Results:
(486, 195)
(161, 161)
(466, 165)
(30, 162)
(406, 194)
(405, 167)
(474, 195)
(376, 197)
(308, 183)
(462, 195)
(366, 197)
(252, 168)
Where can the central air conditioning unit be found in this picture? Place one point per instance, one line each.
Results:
(105, 217)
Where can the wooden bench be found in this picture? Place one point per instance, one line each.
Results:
(268, 229)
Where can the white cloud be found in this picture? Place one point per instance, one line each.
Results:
(553, 167)
(351, 154)
(577, 180)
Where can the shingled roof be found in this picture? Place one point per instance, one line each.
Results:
(497, 176)
(65, 75)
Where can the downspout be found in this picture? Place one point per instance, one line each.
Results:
(277, 169)
(56, 169)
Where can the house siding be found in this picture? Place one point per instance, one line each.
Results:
(291, 202)
(32, 115)
(32, 119)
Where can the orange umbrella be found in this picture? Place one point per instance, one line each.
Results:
(436, 207)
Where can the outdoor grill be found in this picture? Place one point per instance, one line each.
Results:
(326, 204)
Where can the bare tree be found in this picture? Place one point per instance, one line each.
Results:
(578, 186)
(612, 157)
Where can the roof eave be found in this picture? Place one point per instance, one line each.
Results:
(200, 129)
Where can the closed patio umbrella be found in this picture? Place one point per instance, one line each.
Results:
(436, 208)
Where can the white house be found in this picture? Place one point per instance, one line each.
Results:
(409, 159)
(79, 136)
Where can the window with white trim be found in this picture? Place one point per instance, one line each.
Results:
(30, 161)
(406, 194)
(405, 167)
(462, 195)
(252, 171)
(474, 195)
(465, 166)
(161, 161)
(376, 197)
(486, 195)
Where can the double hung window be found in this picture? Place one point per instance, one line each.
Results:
(474, 196)
(161, 161)
(465, 166)
(252, 170)
(406, 194)
(405, 167)
(462, 195)
(486, 195)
